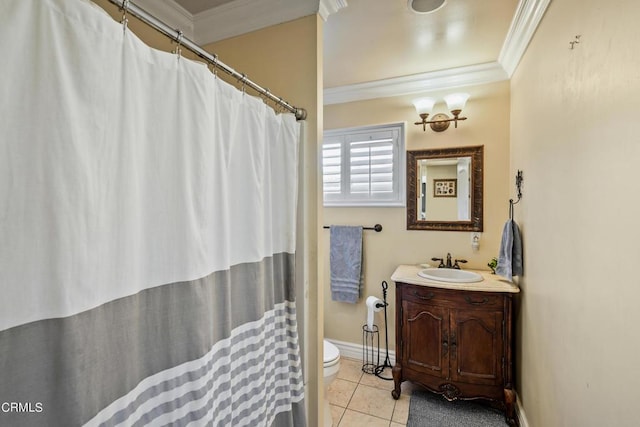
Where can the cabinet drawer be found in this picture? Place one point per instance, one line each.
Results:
(423, 294)
(478, 299)
(451, 298)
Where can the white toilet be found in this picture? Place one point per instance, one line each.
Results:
(331, 368)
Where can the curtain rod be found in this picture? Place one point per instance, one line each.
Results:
(177, 36)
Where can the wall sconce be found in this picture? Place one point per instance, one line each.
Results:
(440, 122)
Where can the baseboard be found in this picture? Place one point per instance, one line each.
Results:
(355, 351)
(522, 417)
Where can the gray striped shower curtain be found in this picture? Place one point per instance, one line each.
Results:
(147, 234)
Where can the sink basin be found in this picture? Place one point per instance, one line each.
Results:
(450, 275)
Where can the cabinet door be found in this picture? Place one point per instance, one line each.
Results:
(425, 345)
(476, 346)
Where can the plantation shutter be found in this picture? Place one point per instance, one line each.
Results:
(364, 167)
(332, 167)
(371, 166)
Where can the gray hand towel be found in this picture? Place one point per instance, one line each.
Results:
(510, 258)
(517, 268)
(345, 257)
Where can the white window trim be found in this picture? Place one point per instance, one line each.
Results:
(399, 167)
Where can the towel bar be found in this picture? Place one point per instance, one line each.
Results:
(376, 227)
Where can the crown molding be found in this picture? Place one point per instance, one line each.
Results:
(528, 15)
(243, 16)
(327, 7)
(525, 21)
(417, 83)
(236, 18)
(171, 13)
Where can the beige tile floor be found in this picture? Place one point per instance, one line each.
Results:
(358, 399)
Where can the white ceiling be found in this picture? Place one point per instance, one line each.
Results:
(197, 6)
(380, 39)
(377, 48)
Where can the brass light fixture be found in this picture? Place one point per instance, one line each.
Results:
(440, 122)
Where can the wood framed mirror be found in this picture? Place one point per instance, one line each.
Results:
(444, 189)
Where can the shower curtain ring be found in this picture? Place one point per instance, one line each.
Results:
(215, 65)
(267, 95)
(244, 82)
(178, 51)
(125, 20)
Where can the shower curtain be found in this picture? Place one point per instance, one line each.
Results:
(147, 233)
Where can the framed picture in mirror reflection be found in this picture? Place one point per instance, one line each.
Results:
(445, 188)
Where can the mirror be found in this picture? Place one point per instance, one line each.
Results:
(444, 189)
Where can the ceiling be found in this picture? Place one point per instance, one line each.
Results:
(197, 6)
(380, 39)
(377, 48)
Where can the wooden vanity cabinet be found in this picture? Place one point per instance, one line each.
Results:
(457, 343)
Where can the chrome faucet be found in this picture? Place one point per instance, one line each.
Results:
(449, 264)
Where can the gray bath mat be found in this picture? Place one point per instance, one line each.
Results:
(428, 409)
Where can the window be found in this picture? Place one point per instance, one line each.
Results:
(364, 166)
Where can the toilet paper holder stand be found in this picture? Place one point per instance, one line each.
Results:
(371, 343)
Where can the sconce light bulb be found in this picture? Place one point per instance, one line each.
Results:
(456, 101)
(424, 105)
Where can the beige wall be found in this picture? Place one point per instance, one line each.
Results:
(441, 208)
(488, 125)
(576, 136)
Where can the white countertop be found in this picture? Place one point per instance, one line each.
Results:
(490, 282)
